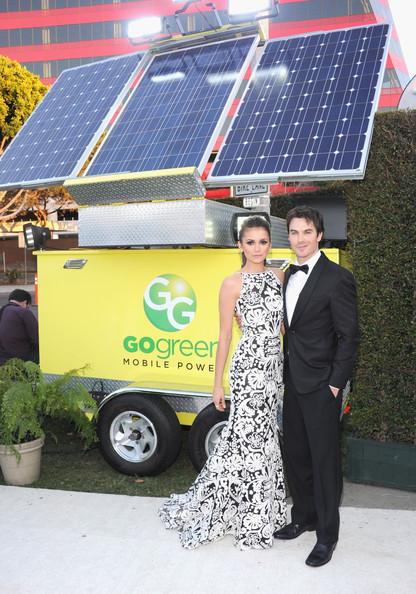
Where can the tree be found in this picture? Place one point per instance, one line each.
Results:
(42, 203)
(20, 92)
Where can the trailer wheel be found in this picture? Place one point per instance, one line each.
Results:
(205, 433)
(139, 434)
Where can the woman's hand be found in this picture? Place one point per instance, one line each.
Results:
(282, 328)
(218, 398)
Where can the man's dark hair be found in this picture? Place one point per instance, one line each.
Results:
(308, 213)
(20, 295)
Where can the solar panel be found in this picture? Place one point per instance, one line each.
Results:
(308, 110)
(55, 141)
(176, 112)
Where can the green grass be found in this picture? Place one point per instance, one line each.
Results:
(66, 466)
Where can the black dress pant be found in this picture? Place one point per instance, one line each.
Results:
(311, 448)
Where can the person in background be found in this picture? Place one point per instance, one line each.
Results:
(19, 336)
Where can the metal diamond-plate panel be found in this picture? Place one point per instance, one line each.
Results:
(180, 403)
(136, 188)
(179, 222)
(170, 223)
(192, 404)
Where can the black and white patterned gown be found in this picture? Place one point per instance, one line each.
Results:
(240, 490)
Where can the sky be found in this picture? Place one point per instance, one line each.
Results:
(404, 13)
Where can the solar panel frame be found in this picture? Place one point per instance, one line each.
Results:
(115, 104)
(220, 121)
(319, 175)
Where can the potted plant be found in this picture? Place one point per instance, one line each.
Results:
(26, 400)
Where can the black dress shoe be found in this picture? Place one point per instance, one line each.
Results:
(293, 531)
(320, 554)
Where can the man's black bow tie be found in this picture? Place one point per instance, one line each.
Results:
(293, 268)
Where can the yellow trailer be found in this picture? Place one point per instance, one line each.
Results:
(144, 323)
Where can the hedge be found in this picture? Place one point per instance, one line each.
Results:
(381, 242)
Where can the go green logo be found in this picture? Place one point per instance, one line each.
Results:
(169, 303)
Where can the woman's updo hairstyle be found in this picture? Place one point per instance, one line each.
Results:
(251, 223)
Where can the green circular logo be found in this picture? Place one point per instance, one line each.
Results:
(169, 303)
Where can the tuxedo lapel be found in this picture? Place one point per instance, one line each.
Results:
(308, 289)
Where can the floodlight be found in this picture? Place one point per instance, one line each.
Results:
(145, 27)
(239, 218)
(184, 8)
(247, 10)
(35, 237)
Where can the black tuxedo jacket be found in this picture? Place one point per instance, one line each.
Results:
(321, 342)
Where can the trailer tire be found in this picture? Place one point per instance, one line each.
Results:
(139, 434)
(205, 433)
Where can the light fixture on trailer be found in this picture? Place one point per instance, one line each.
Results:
(145, 28)
(35, 237)
(246, 10)
(177, 14)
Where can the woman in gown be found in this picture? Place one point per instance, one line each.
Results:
(240, 490)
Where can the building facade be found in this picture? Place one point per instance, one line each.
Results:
(48, 36)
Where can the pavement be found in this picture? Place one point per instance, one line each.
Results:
(65, 542)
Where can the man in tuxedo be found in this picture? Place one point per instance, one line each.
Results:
(320, 347)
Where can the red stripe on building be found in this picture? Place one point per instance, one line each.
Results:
(300, 27)
(283, 188)
(276, 190)
(110, 47)
(218, 193)
(396, 63)
(390, 97)
(75, 49)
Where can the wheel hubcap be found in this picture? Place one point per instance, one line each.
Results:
(133, 436)
(213, 437)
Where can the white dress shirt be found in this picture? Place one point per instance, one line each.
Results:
(296, 283)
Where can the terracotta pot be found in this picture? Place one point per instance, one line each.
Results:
(25, 469)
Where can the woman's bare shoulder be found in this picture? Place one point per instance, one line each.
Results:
(232, 281)
(232, 284)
